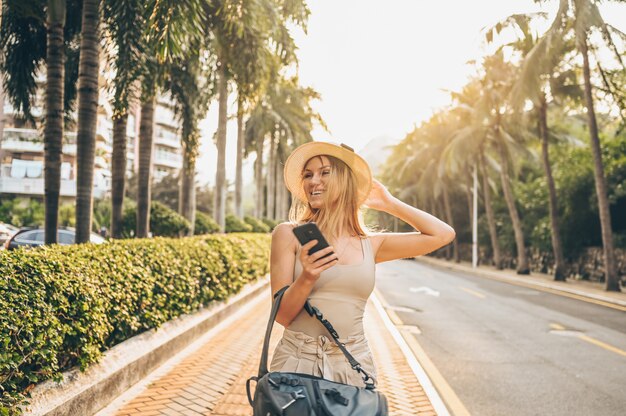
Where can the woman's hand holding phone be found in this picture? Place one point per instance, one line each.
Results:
(313, 265)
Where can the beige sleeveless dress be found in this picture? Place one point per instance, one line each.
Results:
(341, 294)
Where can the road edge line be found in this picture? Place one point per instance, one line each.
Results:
(414, 363)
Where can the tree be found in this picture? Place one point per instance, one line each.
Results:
(53, 131)
(582, 17)
(125, 22)
(284, 113)
(533, 85)
(492, 128)
(32, 34)
(144, 176)
(469, 148)
(89, 69)
(244, 31)
(190, 84)
(172, 27)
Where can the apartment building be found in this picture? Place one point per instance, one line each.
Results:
(22, 150)
(167, 154)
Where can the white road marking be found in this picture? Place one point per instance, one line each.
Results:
(424, 289)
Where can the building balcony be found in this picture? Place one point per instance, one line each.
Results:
(167, 138)
(168, 160)
(29, 140)
(34, 186)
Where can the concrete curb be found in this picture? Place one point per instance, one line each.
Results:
(521, 281)
(85, 393)
(424, 379)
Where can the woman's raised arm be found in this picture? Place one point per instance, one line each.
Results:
(433, 233)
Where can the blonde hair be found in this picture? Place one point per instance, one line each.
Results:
(340, 205)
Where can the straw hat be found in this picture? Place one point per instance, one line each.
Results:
(298, 158)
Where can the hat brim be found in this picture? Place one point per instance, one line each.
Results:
(294, 165)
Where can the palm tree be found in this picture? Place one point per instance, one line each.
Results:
(32, 33)
(249, 36)
(472, 142)
(241, 141)
(189, 84)
(285, 116)
(493, 128)
(87, 116)
(53, 130)
(172, 27)
(144, 174)
(125, 22)
(582, 17)
(257, 126)
(219, 202)
(535, 75)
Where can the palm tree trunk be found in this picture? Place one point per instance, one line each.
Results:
(219, 207)
(611, 276)
(187, 200)
(88, 73)
(522, 259)
(258, 175)
(271, 175)
(144, 177)
(281, 190)
(450, 220)
(557, 247)
(491, 219)
(239, 166)
(280, 200)
(118, 168)
(53, 130)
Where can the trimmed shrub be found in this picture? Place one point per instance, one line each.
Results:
(270, 223)
(235, 225)
(205, 224)
(164, 221)
(257, 226)
(63, 305)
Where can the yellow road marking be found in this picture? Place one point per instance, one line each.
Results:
(473, 292)
(602, 345)
(447, 394)
(591, 340)
(452, 401)
(394, 317)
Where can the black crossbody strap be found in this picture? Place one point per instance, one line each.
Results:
(368, 379)
(268, 331)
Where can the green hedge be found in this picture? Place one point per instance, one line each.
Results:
(205, 224)
(236, 225)
(63, 305)
(164, 222)
(258, 226)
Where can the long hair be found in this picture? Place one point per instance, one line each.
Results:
(340, 205)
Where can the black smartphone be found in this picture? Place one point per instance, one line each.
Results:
(309, 231)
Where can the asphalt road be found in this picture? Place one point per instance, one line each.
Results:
(511, 350)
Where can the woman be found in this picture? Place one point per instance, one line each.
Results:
(329, 183)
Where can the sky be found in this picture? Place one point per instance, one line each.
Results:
(383, 67)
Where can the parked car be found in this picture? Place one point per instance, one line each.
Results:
(33, 237)
(6, 231)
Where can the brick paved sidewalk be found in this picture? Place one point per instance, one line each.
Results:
(211, 380)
